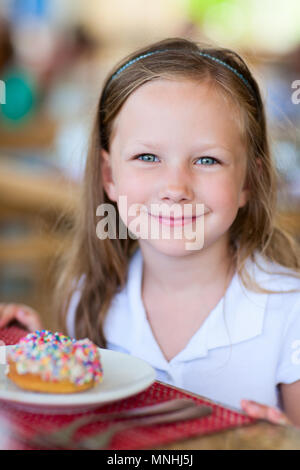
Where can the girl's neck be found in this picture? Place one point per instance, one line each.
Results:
(193, 274)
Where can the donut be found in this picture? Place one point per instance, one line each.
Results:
(54, 363)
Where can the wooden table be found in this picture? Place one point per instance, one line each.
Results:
(261, 435)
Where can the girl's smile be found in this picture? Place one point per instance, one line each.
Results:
(174, 221)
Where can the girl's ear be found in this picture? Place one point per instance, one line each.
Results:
(107, 175)
(245, 194)
(259, 165)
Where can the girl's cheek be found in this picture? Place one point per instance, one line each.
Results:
(217, 194)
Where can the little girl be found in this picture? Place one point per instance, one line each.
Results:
(179, 126)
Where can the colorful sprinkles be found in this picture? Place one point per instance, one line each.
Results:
(56, 357)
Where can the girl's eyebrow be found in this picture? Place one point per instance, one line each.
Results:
(135, 145)
(200, 146)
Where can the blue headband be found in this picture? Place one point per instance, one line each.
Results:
(204, 54)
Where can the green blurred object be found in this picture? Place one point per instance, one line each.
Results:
(20, 96)
(198, 8)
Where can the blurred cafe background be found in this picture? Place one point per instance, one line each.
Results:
(54, 56)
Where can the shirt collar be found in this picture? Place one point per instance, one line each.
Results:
(243, 319)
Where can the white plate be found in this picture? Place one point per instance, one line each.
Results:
(123, 376)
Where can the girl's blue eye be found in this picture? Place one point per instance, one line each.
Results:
(211, 159)
(208, 161)
(149, 156)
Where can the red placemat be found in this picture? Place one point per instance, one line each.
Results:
(221, 419)
(12, 334)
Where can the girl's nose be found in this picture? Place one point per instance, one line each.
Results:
(177, 187)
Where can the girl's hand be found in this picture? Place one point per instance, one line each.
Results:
(272, 414)
(22, 313)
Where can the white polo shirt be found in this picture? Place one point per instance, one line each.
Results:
(246, 356)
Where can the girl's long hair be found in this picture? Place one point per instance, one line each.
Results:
(102, 265)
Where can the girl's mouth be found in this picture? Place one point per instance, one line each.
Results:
(171, 221)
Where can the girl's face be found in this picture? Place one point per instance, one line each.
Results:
(177, 142)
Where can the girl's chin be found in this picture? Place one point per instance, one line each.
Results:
(174, 247)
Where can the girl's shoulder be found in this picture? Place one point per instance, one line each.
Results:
(272, 275)
(279, 304)
(281, 290)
